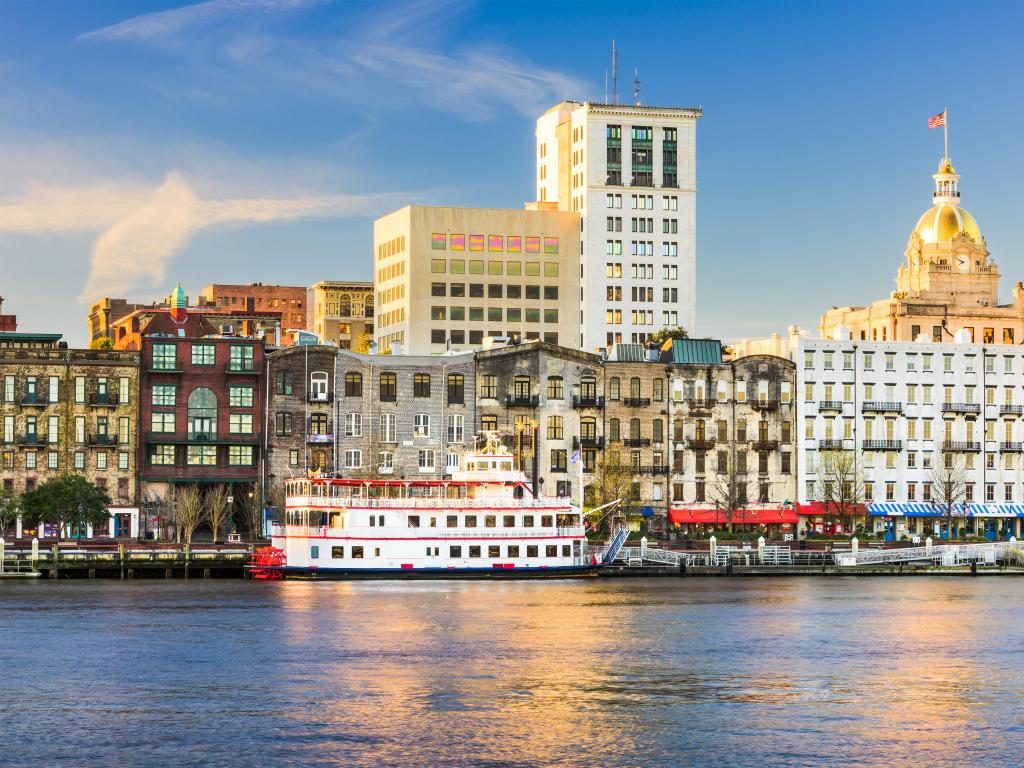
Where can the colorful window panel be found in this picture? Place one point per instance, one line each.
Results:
(438, 241)
(532, 244)
(476, 242)
(550, 245)
(514, 243)
(457, 243)
(495, 243)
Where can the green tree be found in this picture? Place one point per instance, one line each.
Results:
(10, 505)
(103, 342)
(658, 338)
(66, 500)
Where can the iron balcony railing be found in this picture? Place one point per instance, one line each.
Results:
(320, 397)
(653, 469)
(597, 401)
(763, 405)
(830, 444)
(882, 445)
(636, 402)
(107, 400)
(765, 445)
(521, 401)
(700, 443)
(1011, 410)
(636, 442)
(33, 399)
(881, 406)
(587, 442)
(701, 403)
(97, 439)
(1011, 447)
(961, 408)
(961, 446)
(830, 405)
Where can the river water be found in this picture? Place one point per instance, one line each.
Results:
(608, 672)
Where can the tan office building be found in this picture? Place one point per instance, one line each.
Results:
(447, 278)
(343, 313)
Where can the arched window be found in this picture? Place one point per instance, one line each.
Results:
(318, 387)
(588, 428)
(202, 414)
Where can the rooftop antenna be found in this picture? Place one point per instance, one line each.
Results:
(636, 87)
(615, 75)
(606, 85)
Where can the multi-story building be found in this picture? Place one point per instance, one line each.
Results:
(547, 402)
(343, 313)
(336, 411)
(254, 298)
(71, 411)
(630, 172)
(8, 323)
(905, 412)
(201, 406)
(948, 283)
(446, 278)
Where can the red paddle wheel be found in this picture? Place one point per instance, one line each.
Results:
(266, 563)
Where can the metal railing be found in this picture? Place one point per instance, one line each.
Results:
(1011, 410)
(882, 445)
(579, 401)
(941, 554)
(961, 408)
(881, 406)
(830, 405)
(636, 402)
(427, 502)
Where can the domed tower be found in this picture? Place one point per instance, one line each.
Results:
(947, 257)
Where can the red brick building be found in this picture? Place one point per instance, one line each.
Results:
(200, 407)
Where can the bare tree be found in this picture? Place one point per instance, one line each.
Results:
(947, 483)
(613, 480)
(840, 487)
(729, 488)
(188, 511)
(216, 508)
(250, 500)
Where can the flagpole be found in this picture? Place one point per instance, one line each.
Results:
(945, 130)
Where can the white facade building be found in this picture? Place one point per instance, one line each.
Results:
(902, 407)
(630, 171)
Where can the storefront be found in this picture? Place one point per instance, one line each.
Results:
(919, 520)
(773, 522)
(822, 519)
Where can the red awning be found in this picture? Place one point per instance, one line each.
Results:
(814, 508)
(740, 517)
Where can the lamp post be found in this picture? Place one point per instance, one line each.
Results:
(78, 534)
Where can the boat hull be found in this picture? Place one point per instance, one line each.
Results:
(502, 574)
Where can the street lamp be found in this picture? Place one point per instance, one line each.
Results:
(78, 534)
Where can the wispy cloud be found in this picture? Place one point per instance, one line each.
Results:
(142, 229)
(166, 24)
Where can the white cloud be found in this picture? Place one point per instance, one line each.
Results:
(165, 24)
(141, 229)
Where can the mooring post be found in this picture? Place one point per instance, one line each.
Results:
(56, 557)
(2, 544)
(186, 559)
(120, 556)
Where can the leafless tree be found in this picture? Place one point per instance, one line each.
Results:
(948, 489)
(729, 488)
(249, 499)
(216, 508)
(613, 480)
(840, 487)
(188, 510)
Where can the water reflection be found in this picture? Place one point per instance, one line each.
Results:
(856, 672)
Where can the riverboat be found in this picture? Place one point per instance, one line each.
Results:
(485, 521)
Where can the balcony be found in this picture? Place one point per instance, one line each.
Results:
(1011, 410)
(521, 401)
(587, 442)
(763, 405)
(636, 442)
(881, 406)
(165, 367)
(700, 444)
(960, 446)
(830, 444)
(319, 438)
(241, 370)
(319, 397)
(700, 403)
(654, 469)
(765, 445)
(34, 400)
(102, 439)
(596, 401)
(969, 409)
(636, 402)
(108, 400)
(201, 438)
(882, 445)
(1011, 447)
(830, 405)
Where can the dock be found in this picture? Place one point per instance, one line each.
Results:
(73, 561)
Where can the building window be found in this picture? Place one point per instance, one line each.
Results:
(555, 428)
(489, 387)
(202, 455)
(455, 427)
(164, 357)
(283, 422)
(388, 387)
(387, 428)
(240, 423)
(456, 388)
(202, 414)
(421, 425)
(353, 459)
(160, 422)
(203, 354)
(354, 425)
(241, 357)
(161, 456)
(240, 455)
(426, 460)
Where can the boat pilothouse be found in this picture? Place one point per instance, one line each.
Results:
(484, 521)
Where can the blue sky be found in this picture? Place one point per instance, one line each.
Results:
(142, 143)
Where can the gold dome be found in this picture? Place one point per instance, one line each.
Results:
(942, 223)
(945, 166)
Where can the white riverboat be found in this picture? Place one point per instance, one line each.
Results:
(483, 522)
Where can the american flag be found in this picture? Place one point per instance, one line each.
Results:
(937, 121)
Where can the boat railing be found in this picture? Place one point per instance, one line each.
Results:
(427, 502)
(571, 531)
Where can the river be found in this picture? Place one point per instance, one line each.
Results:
(609, 672)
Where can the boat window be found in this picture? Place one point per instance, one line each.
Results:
(452, 521)
(506, 466)
(490, 521)
(471, 521)
(373, 521)
(494, 551)
(546, 521)
(470, 466)
(357, 553)
(474, 551)
(531, 550)
(455, 551)
(513, 550)
(551, 550)
(414, 521)
(314, 552)
(376, 552)
(527, 521)
(566, 550)
(433, 522)
(380, 520)
(337, 552)
(509, 521)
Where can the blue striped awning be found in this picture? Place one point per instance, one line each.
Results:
(922, 509)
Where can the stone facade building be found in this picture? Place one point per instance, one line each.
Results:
(343, 313)
(65, 411)
(400, 416)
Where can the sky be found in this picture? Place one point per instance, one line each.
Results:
(229, 141)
